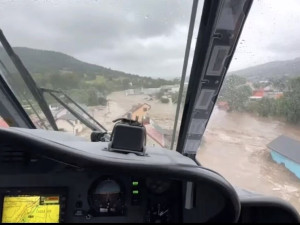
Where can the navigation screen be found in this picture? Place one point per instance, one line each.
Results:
(30, 209)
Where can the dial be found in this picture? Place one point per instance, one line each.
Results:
(157, 186)
(106, 198)
(158, 213)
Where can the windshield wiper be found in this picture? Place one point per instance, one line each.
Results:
(85, 121)
(38, 94)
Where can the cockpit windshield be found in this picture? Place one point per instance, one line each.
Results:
(115, 59)
(96, 61)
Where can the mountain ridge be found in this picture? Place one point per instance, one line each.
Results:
(271, 70)
(47, 61)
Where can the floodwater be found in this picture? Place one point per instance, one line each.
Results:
(235, 146)
(119, 104)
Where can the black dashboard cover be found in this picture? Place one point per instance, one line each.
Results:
(79, 153)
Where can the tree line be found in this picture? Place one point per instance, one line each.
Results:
(236, 91)
(92, 90)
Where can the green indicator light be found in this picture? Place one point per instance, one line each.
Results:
(135, 183)
(135, 192)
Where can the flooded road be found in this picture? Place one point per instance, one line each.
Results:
(235, 146)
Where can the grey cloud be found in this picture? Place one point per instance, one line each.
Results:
(271, 33)
(82, 28)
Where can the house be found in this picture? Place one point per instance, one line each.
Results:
(286, 151)
(150, 91)
(135, 91)
(170, 89)
(138, 112)
(274, 94)
(259, 93)
(156, 133)
(67, 122)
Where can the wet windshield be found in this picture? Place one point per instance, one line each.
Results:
(113, 59)
(124, 59)
(256, 120)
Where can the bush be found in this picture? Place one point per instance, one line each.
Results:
(164, 100)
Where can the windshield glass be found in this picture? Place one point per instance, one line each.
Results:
(23, 93)
(253, 135)
(124, 59)
(115, 59)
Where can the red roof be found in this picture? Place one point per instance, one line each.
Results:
(3, 124)
(155, 134)
(258, 93)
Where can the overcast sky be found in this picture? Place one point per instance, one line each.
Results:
(144, 37)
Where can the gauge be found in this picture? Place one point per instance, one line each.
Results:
(158, 213)
(106, 197)
(157, 186)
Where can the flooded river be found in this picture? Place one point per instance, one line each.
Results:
(234, 145)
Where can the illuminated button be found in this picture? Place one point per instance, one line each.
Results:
(135, 192)
(135, 183)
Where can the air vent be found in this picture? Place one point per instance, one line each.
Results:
(9, 155)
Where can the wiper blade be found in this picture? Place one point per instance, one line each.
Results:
(53, 92)
(95, 127)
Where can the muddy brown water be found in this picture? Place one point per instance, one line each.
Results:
(235, 145)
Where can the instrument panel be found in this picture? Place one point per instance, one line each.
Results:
(45, 178)
(104, 198)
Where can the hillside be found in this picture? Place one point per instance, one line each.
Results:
(42, 61)
(271, 70)
(85, 82)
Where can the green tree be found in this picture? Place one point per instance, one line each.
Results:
(92, 97)
(236, 92)
(290, 105)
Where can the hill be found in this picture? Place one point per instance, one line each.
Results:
(42, 61)
(86, 83)
(271, 70)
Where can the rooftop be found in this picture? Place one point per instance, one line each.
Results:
(287, 147)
